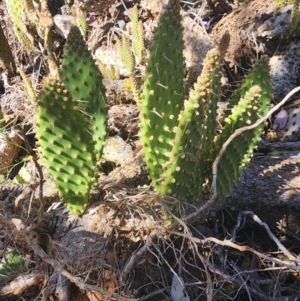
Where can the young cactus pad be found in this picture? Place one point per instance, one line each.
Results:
(249, 107)
(66, 145)
(163, 91)
(83, 79)
(190, 158)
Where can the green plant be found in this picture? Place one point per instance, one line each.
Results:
(108, 71)
(294, 26)
(180, 139)
(123, 46)
(16, 10)
(28, 85)
(137, 34)
(11, 265)
(125, 53)
(28, 20)
(71, 123)
(79, 19)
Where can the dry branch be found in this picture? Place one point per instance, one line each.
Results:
(58, 267)
(21, 283)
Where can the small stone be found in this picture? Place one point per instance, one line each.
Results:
(280, 120)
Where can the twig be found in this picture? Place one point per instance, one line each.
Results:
(229, 243)
(21, 283)
(187, 234)
(280, 246)
(41, 177)
(237, 283)
(135, 257)
(58, 267)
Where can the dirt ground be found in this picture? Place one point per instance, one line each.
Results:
(245, 247)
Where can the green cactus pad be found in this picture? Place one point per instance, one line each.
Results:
(127, 55)
(82, 78)
(190, 158)
(238, 151)
(15, 9)
(163, 91)
(259, 75)
(66, 145)
(137, 33)
(254, 104)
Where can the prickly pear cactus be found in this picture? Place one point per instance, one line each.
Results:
(66, 144)
(181, 142)
(163, 91)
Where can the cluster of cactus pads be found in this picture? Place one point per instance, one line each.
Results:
(181, 138)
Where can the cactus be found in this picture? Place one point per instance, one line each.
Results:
(28, 85)
(181, 144)
(108, 71)
(191, 159)
(82, 78)
(15, 9)
(30, 10)
(250, 101)
(163, 92)
(294, 26)
(137, 34)
(71, 123)
(180, 138)
(67, 146)
(45, 19)
(124, 53)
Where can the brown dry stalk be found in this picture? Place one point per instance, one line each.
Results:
(21, 283)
